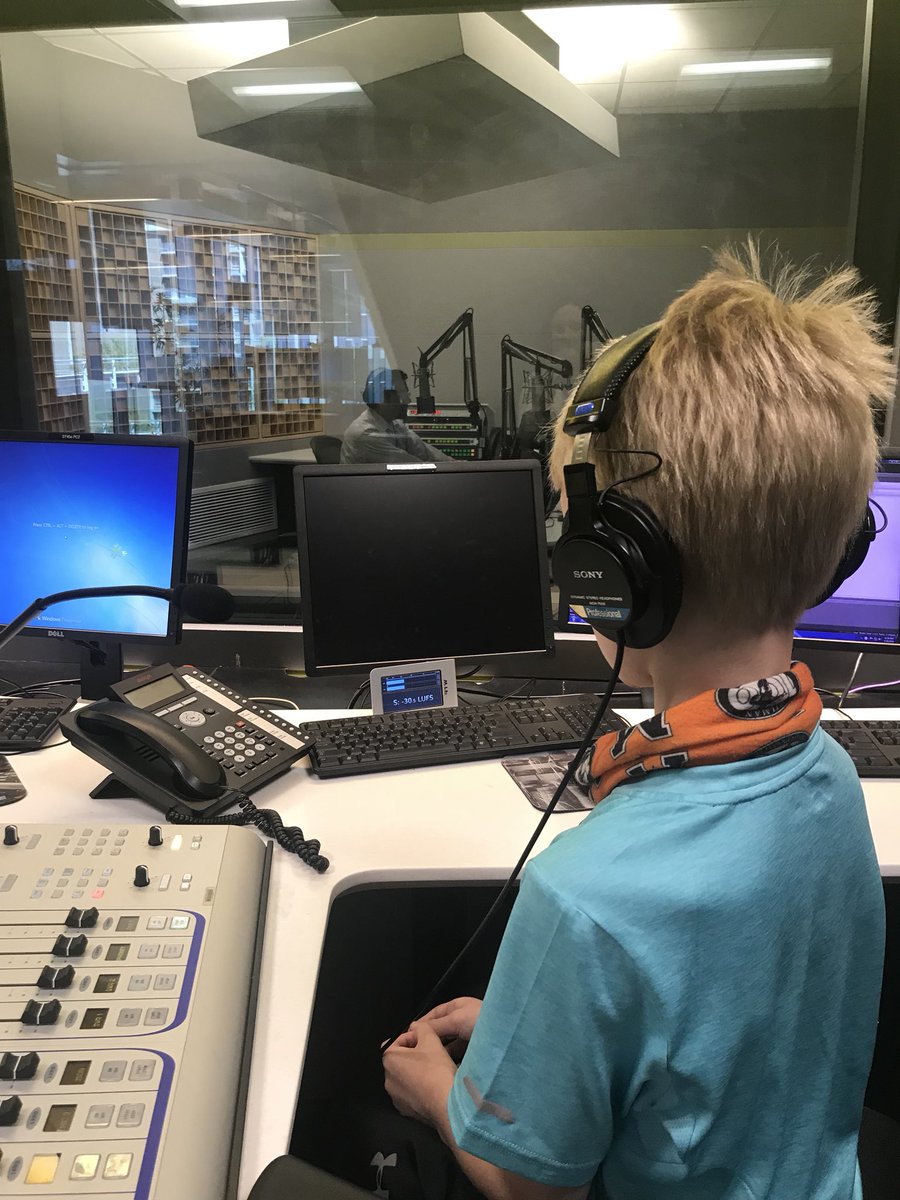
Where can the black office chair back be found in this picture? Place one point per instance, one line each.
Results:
(326, 449)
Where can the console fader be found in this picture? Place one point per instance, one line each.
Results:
(128, 961)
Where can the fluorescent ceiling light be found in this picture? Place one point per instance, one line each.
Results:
(295, 89)
(221, 3)
(597, 42)
(755, 65)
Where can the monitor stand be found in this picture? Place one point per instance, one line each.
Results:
(101, 666)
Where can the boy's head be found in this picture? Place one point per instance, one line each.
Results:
(758, 398)
(386, 391)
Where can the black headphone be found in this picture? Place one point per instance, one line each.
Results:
(614, 559)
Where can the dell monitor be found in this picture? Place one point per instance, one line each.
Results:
(406, 562)
(864, 613)
(95, 511)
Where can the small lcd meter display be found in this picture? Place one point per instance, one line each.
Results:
(413, 689)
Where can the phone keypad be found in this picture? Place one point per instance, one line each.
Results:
(240, 747)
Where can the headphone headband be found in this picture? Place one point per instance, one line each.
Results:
(596, 401)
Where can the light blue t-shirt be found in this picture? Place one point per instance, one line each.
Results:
(685, 1000)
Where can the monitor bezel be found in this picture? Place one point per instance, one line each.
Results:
(182, 521)
(307, 470)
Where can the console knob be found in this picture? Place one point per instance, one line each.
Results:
(156, 837)
(10, 1107)
(56, 977)
(41, 1012)
(19, 1066)
(141, 876)
(82, 918)
(10, 836)
(70, 947)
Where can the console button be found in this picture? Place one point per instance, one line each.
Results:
(56, 977)
(41, 1012)
(19, 1066)
(82, 918)
(70, 947)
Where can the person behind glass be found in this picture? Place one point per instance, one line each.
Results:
(685, 999)
(380, 434)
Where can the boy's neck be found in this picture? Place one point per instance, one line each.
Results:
(688, 665)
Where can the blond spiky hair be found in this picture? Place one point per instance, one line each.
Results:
(759, 397)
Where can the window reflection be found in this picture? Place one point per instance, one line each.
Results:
(227, 228)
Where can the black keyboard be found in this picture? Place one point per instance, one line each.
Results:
(874, 746)
(398, 741)
(25, 724)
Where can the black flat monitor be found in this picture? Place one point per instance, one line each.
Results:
(864, 613)
(93, 510)
(400, 563)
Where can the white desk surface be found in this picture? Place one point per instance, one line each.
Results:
(285, 458)
(439, 823)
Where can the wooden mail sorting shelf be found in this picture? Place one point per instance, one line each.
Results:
(145, 322)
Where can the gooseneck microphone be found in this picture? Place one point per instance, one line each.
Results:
(203, 601)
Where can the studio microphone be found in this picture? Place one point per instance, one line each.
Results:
(203, 601)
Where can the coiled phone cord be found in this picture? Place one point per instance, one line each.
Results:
(268, 821)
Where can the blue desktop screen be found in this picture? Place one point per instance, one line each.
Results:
(89, 514)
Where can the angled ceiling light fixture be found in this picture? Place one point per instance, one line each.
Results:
(445, 106)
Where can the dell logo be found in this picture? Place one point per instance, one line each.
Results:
(587, 574)
(55, 633)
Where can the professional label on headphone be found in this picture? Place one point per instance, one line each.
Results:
(596, 612)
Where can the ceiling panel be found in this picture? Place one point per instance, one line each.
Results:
(203, 47)
(603, 93)
(800, 24)
(96, 46)
(700, 96)
(845, 91)
(705, 27)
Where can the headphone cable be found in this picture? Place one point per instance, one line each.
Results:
(428, 1003)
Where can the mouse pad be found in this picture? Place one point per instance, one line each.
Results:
(538, 776)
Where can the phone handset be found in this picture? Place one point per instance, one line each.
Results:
(196, 770)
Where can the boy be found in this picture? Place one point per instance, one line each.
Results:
(685, 1000)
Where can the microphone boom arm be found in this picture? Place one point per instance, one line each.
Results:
(543, 363)
(591, 327)
(17, 624)
(464, 326)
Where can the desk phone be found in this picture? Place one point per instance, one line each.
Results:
(178, 738)
(251, 743)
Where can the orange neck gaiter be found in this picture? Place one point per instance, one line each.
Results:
(750, 721)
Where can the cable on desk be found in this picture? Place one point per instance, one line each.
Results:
(360, 691)
(37, 749)
(587, 743)
(267, 821)
(282, 701)
(472, 671)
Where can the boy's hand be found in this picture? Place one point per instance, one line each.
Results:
(455, 1019)
(418, 1073)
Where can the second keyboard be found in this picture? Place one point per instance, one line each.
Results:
(399, 741)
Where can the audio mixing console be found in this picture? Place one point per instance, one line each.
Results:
(128, 961)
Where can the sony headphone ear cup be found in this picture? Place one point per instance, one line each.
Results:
(854, 555)
(655, 566)
(627, 544)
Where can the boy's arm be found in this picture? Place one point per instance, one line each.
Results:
(418, 1076)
